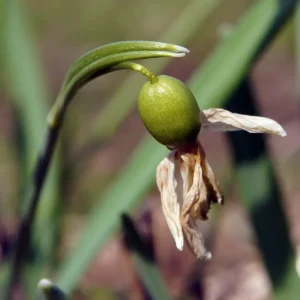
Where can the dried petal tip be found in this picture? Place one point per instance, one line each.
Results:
(207, 256)
(217, 119)
(179, 243)
(283, 132)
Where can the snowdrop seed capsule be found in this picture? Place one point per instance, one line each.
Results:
(169, 111)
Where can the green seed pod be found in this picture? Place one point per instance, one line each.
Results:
(169, 111)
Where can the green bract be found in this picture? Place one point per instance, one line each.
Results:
(169, 111)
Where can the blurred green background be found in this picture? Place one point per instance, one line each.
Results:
(244, 54)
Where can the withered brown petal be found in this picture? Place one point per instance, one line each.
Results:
(195, 197)
(213, 188)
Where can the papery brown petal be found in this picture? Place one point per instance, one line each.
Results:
(213, 190)
(193, 195)
(217, 119)
(192, 198)
(201, 207)
(166, 182)
(187, 166)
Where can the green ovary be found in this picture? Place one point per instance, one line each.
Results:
(169, 111)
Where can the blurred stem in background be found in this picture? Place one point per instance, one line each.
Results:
(143, 255)
(26, 85)
(257, 181)
(49, 291)
(259, 190)
(286, 9)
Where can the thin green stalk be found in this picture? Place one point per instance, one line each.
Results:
(24, 236)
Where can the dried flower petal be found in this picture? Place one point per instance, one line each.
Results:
(212, 184)
(166, 182)
(195, 195)
(188, 200)
(217, 119)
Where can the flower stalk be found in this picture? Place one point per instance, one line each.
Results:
(96, 63)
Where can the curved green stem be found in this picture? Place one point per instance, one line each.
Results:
(96, 63)
(135, 67)
(93, 65)
(123, 47)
